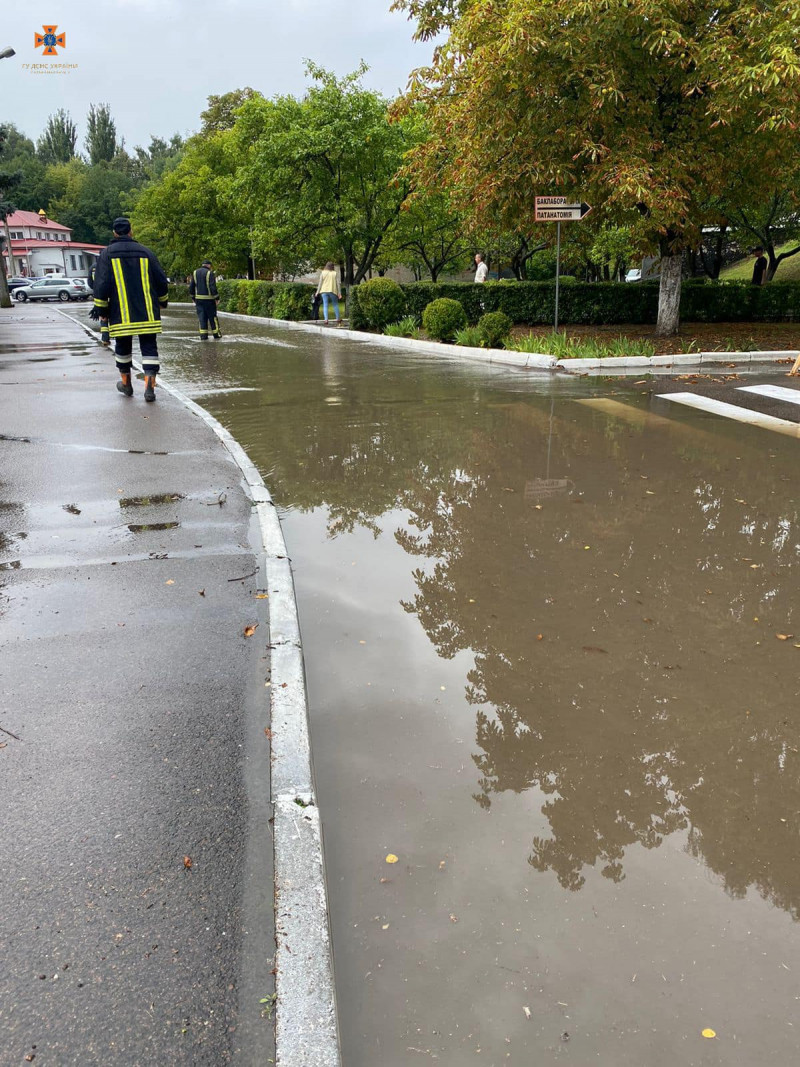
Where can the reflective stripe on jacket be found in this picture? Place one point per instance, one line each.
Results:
(203, 285)
(130, 288)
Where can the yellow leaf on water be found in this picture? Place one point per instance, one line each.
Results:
(385, 926)
(708, 1032)
(391, 858)
(784, 637)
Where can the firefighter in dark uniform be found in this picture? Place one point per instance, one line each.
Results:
(104, 336)
(130, 290)
(203, 291)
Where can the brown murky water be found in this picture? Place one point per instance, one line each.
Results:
(544, 673)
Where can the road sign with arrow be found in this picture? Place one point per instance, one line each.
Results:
(559, 209)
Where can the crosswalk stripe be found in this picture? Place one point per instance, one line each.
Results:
(777, 392)
(731, 411)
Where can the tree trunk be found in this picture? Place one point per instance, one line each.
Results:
(669, 295)
(434, 272)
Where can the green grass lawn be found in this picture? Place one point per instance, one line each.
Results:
(788, 271)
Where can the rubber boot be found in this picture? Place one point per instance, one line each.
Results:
(124, 384)
(150, 388)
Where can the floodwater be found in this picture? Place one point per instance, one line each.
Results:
(544, 672)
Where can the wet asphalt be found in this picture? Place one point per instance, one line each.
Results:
(136, 895)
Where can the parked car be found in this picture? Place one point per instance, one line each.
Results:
(633, 275)
(17, 281)
(53, 288)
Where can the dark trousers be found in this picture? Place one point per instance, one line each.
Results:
(207, 314)
(148, 346)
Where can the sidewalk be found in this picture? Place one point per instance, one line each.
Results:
(137, 896)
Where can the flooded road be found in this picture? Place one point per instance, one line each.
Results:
(553, 651)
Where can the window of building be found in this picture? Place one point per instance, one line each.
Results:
(72, 262)
(80, 260)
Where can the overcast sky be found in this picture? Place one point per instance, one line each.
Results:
(156, 61)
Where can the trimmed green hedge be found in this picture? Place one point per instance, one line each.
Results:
(272, 300)
(597, 303)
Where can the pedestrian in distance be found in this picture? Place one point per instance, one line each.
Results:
(328, 289)
(130, 291)
(203, 291)
(481, 270)
(759, 267)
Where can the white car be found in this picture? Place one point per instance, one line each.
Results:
(53, 288)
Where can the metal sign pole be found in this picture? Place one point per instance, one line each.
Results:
(558, 270)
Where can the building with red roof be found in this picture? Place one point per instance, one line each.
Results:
(40, 246)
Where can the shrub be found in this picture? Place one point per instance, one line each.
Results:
(178, 293)
(443, 318)
(470, 337)
(494, 327)
(292, 301)
(258, 299)
(226, 290)
(563, 347)
(406, 327)
(381, 301)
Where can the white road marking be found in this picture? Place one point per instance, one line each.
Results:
(777, 392)
(731, 411)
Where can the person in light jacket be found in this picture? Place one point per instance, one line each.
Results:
(328, 289)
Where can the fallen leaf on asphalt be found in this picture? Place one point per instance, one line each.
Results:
(250, 630)
(262, 596)
(784, 637)
(527, 1012)
(3, 744)
(538, 506)
(169, 581)
(187, 862)
(202, 592)
(540, 637)
(453, 918)
(268, 732)
(391, 858)
(755, 566)
(708, 1032)
(442, 865)
(649, 492)
(73, 509)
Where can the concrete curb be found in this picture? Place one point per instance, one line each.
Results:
(524, 360)
(665, 363)
(531, 360)
(306, 1027)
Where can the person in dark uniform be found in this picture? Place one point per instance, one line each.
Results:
(130, 290)
(203, 291)
(105, 340)
(759, 267)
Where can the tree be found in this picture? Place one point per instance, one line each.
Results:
(428, 234)
(8, 181)
(612, 251)
(221, 111)
(57, 143)
(773, 219)
(527, 97)
(151, 163)
(101, 134)
(189, 212)
(90, 198)
(317, 175)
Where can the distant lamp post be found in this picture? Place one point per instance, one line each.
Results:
(7, 53)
